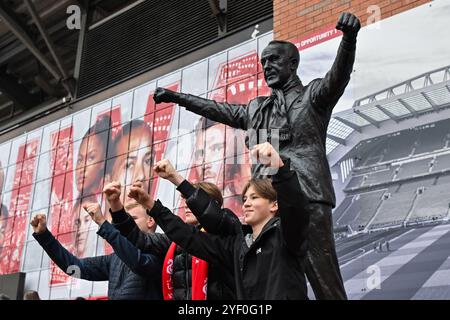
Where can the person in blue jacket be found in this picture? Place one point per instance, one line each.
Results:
(132, 275)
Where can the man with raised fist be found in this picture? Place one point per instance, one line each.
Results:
(132, 275)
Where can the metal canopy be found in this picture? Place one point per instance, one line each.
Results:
(38, 52)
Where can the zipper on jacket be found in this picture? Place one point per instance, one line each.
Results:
(258, 239)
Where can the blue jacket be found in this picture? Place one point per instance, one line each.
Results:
(132, 275)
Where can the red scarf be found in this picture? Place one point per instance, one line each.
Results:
(199, 276)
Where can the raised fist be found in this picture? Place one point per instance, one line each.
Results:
(349, 24)
(112, 191)
(265, 154)
(164, 169)
(163, 95)
(137, 192)
(95, 212)
(39, 223)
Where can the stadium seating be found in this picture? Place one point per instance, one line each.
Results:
(431, 139)
(382, 190)
(442, 163)
(378, 177)
(374, 154)
(355, 182)
(337, 213)
(361, 210)
(433, 203)
(413, 168)
(400, 146)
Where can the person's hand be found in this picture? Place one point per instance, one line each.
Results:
(349, 24)
(265, 154)
(95, 212)
(39, 223)
(112, 194)
(163, 95)
(138, 193)
(164, 169)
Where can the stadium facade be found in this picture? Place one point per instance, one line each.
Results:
(388, 142)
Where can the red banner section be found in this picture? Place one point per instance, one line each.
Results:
(236, 82)
(61, 211)
(159, 119)
(19, 206)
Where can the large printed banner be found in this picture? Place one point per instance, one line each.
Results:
(15, 232)
(237, 81)
(120, 140)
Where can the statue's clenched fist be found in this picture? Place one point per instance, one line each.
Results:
(349, 24)
(163, 95)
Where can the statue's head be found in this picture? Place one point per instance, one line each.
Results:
(280, 62)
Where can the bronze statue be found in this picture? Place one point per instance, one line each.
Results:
(297, 116)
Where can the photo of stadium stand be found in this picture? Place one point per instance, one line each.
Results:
(393, 212)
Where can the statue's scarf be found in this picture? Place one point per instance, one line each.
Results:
(273, 113)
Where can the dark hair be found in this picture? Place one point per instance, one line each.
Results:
(290, 48)
(263, 188)
(102, 124)
(102, 130)
(212, 190)
(125, 131)
(31, 295)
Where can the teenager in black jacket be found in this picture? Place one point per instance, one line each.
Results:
(182, 283)
(266, 259)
